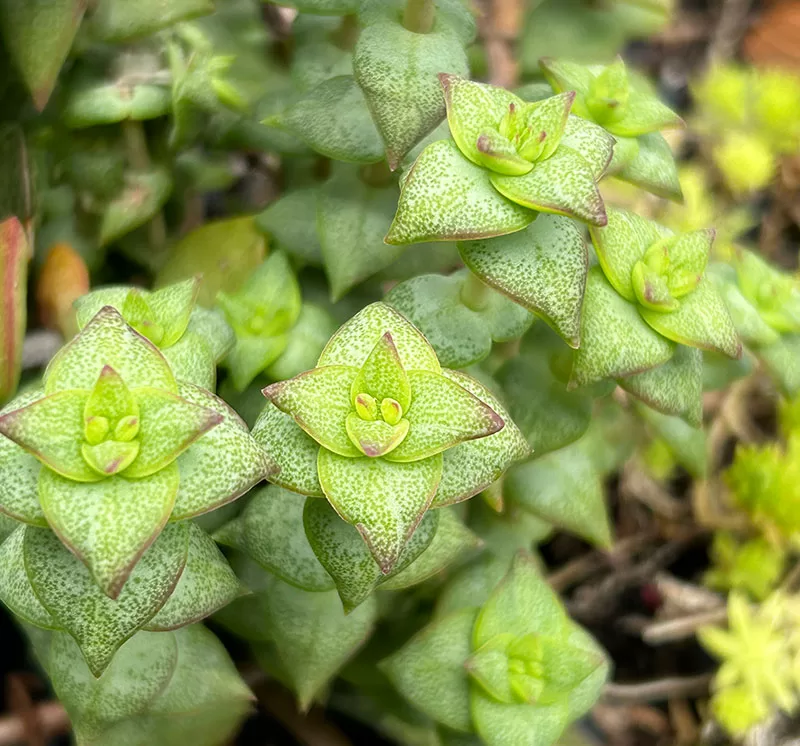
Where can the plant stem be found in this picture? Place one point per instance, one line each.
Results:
(474, 294)
(376, 174)
(418, 16)
(346, 35)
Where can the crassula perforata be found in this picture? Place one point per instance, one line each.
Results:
(382, 431)
(102, 465)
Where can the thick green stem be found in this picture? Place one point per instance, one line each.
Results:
(418, 16)
(474, 294)
(346, 36)
(376, 174)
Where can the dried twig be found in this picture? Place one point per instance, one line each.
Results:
(658, 690)
(670, 630)
(52, 719)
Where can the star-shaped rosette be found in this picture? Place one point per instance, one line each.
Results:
(191, 338)
(508, 160)
(382, 431)
(624, 104)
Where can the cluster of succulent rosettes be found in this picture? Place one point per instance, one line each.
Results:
(112, 453)
(192, 339)
(516, 666)
(509, 159)
(625, 105)
(382, 431)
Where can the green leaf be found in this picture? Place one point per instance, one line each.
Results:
(313, 635)
(592, 142)
(543, 268)
(322, 7)
(653, 168)
(452, 540)
(444, 197)
(98, 623)
(308, 338)
(500, 724)
(351, 222)
(192, 359)
(499, 154)
(31, 26)
(376, 437)
(319, 400)
(108, 340)
(51, 428)
(397, 69)
(169, 425)
(144, 194)
(382, 375)
(173, 306)
(294, 452)
(334, 120)
(473, 465)
(19, 472)
(780, 359)
(287, 221)
(93, 100)
(471, 586)
(109, 524)
(385, 501)
(645, 113)
(318, 52)
(563, 488)
(442, 414)
(342, 551)
(222, 465)
(273, 535)
(356, 339)
(701, 320)
(429, 670)
(15, 586)
(622, 243)
(118, 20)
(206, 584)
(686, 443)
(564, 184)
(615, 340)
(674, 388)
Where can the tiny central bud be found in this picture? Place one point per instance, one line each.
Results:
(96, 429)
(256, 324)
(127, 428)
(366, 407)
(391, 411)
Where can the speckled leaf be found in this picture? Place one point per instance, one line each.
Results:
(120, 20)
(429, 669)
(273, 535)
(451, 542)
(472, 466)
(169, 426)
(382, 375)
(701, 320)
(51, 429)
(385, 501)
(615, 340)
(745, 316)
(644, 114)
(294, 452)
(444, 197)
(653, 168)
(207, 583)
(343, 552)
(317, 51)
(313, 635)
(592, 142)
(563, 184)
(288, 222)
(397, 70)
(222, 465)
(108, 340)
(31, 26)
(93, 100)
(213, 329)
(473, 108)
(562, 488)
(319, 401)
(252, 355)
(543, 268)
(622, 243)
(192, 360)
(460, 335)
(100, 624)
(334, 120)
(356, 339)
(442, 414)
(19, 472)
(173, 306)
(109, 524)
(352, 219)
(780, 359)
(15, 586)
(675, 387)
(500, 724)
(686, 443)
(144, 194)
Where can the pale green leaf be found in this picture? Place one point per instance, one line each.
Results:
(143, 195)
(192, 360)
(780, 359)
(118, 20)
(471, 586)
(212, 328)
(384, 500)
(686, 443)
(429, 670)
(615, 340)
(593, 143)
(543, 268)
(445, 197)
(173, 306)
(397, 69)
(500, 724)
(644, 114)
(318, 53)
(288, 221)
(308, 337)
(109, 524)
(355, 340)
(16, 591)
(472, 466)
(653, 168)
(382, 375)
(319, 400)
(252, 355)
(98, 623)
(222, 465)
